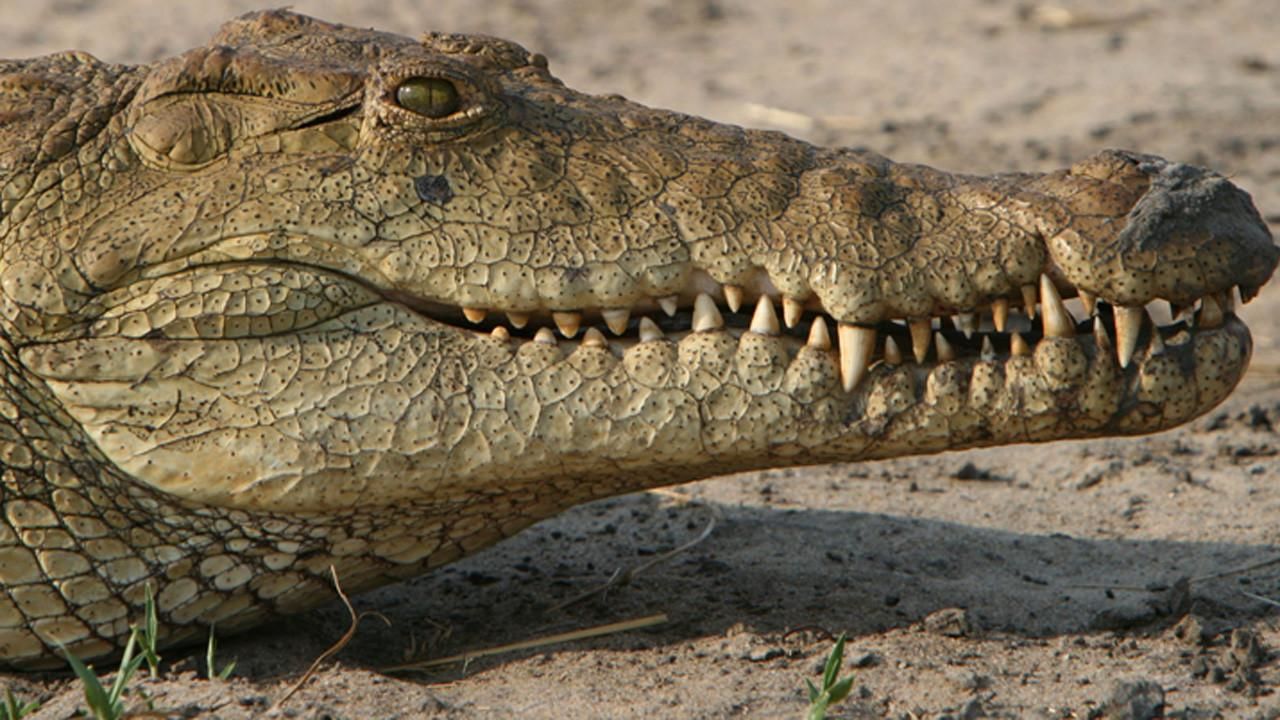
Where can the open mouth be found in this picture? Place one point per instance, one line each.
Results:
(1005, 327)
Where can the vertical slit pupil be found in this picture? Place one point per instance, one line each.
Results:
(428, 96)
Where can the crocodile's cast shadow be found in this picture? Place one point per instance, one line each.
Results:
(771, 570)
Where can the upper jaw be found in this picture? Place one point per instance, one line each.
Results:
(1118, 231)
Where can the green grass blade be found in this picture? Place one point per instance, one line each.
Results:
(13, 709)
(128, 665)
(840, 690)
(834, 660)
(210, 663)
(813, 691)
(150, 634)
(100, 704)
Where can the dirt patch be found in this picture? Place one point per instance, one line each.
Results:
(1091, 579)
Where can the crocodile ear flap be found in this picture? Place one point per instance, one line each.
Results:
(192, 110)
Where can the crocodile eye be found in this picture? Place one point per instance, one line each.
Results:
(433, 97)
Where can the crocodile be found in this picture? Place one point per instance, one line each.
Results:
(314, 297)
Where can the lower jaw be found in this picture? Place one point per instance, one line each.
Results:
(1066, 388)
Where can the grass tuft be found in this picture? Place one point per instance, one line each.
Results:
(108, 703)
(834, 688)
(12, 709)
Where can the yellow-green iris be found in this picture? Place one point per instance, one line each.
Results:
(429, 96)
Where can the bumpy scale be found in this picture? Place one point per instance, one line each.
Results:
(315, 295)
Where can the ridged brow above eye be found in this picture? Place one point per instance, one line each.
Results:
(432, 97)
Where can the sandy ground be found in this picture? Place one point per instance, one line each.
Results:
(1070, 580)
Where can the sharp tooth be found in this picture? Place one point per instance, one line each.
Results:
(988, 350)
(945, 351)
(733, 297)
(1101, 340)
(1018, 346)
(518, 319)
(594, 338)
(819, 338)
(669, 304)
(921, 334)
(1228, 299)
(649, 330)
(892, 354)
(857, 344)
(545, 336)
(765, 320)
(1057, 319)
(1000, 313)
(1177, 311)
(1090, 302)
(1029, 301)
(1128, 327)
(1210, 313)
(475, 315)
(568, 322)
(706, 316)
(967, 323)
(501, 333)
(792, 311)
(616, 319)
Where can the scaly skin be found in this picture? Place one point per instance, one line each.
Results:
(241, 295)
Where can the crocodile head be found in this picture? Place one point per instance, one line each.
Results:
(310, 267)
(314, 296)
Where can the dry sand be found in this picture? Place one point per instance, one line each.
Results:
(1022, 582)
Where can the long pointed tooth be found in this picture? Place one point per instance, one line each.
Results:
(765, 320)
(475, 315)
(1057, 319)
(1176, 311)
(518, 319)
(1089, 301)
(669, 304)
(616, 319)
(892, 353)
(1210, 313)
(1000, 313)
(649, 330)
(733, 296)
(792, 311)
(1029, 301)
(921, 336)
(857, 344)
(988, 350)
(1018, 346)
(501, 333)
(594, 338)
(1128, 327)
(819, 338)
(1102, 341)
(945, 351)
(967, 323)
(545, 336)
(706, 316)
(568, 322)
